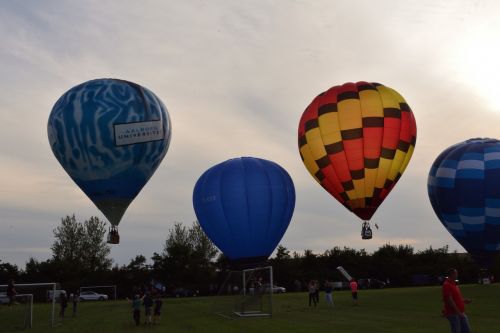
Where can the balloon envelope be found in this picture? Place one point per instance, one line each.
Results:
(464, 190)
(245, 205)
(110, 136)
(356, 140)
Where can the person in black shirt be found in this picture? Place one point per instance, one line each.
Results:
(148, 304)
(157, 309)
(11, 292)
(64, 303)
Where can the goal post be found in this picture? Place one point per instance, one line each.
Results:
(246, 293)
(28, 292)
(28, 314)
(97, 288)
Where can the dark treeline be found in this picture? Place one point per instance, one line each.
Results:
(188, 259)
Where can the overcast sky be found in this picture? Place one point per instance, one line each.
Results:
(236, 77)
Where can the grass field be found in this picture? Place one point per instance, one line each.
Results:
(387, 310)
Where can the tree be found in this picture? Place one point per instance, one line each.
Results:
(282, 253)
(187, 258)
(138, 263)
(8, 271)
(81, 246)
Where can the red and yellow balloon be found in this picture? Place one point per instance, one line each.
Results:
(356, 140)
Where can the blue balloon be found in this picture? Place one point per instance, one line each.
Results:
(245, 205)
(110, 136)
(464, 190)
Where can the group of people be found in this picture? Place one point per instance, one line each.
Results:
(74, 298)
(313, 288)
(454, 302)
(152, 308)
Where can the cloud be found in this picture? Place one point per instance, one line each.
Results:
(235, 77)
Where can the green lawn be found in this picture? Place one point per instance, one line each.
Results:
(388, 310)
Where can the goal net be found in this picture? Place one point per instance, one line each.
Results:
(110, 291)
(30, 307)
(16, 316)
(246, 293)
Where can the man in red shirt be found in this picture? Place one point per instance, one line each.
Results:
(354, 291)
(454, 304)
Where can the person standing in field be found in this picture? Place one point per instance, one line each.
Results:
(328, 292)
(454, 304)
(75, 298)
(354, 291)
(148, 304)
(157, 310)
(316, 294)
(136, 309)
(11, 292)
(64, 303)
(312, 292)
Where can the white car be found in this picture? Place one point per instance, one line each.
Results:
(276, 289)
(3, 298)
(92, 296)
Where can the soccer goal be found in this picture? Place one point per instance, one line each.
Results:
(16, 316)
(110, 290)
(246, 293)
(29, 308)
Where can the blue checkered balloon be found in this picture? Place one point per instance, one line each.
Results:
(464, 190)
(110, 136)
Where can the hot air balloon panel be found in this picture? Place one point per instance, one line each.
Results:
(356, 140)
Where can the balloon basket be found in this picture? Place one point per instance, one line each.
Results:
(113, 236)
(366, 231)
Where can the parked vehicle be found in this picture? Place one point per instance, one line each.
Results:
(92, 296)
(371, 284)
(276, 289)
(3, 298)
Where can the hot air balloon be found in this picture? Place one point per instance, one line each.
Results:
(110, 136)
(464, 190)
(356, 140)
(245, 205)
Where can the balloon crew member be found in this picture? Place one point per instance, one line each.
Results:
(328, 292)
(454, 304)
(316, 293)
(157, 309)
(64, 303)
(148, 304)
(354, 291)
(312, 293)
(75, 299)
(11, 292)
(136, 309)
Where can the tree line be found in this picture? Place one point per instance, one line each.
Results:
(80, 257)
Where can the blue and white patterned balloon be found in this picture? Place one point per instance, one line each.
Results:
(464, 190)
(110, 136)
